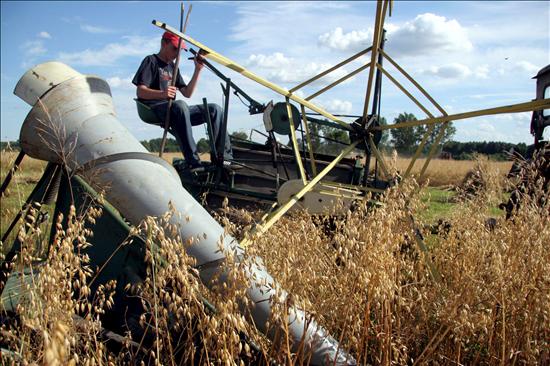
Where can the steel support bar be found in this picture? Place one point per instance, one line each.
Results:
(378, 25)
(428, 96)
(405, 91)
(436, 143)
(514, 108)
(379, 157)
(308, 140)
(295, 142)
(414, 82)
(419, 150)
(343, 78)
(353, 187)
(318, 76)
(270, 219)
(214, 56)
(11, 172)
(37, 195)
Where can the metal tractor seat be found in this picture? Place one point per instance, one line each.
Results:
(146, 113)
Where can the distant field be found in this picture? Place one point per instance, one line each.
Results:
(440, 173)
(449, 172)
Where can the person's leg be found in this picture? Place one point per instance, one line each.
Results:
(180, 128)
(196, 113)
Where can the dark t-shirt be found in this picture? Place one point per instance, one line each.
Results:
(156, 74)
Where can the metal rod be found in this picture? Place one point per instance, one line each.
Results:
(254, 107)
(210, 128)
(172, 83)
(295, 143)
(379, 157)
(379, 24)
(405, 91)
(514, 108)
(223, 129)
(433, 148)
(270, 219)
(414, 82)
(330, 86)
(278, 153)
(11, 172)
(318, 76)
(213, 55)
(309, 144)
(47, 178)
(378, 80)
(419, 150)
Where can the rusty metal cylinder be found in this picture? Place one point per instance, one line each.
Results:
(73, 121)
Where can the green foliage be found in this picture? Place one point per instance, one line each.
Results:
(154, 145)
(334, 138)
(203, 146)
(315, 135)
(406, 140)
(496, 150)
(326, 139)
(239, 135)
(448, 133)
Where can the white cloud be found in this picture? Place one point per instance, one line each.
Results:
(32, 51)
(513, 127)
(482, 72)
(282, 69)
(337, 106)
(95, 29)
(276, 60)
(456, 71)
(450, 71)
(354, 40)
(121, 83)
(33, 48)
(527, 67)
(427, 33)
(110, 54)
(44, 35)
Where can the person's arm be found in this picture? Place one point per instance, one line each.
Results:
(188, 90)
(144, 92)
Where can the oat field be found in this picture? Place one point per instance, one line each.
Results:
(478, 295)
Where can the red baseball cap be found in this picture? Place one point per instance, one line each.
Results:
(174, 39)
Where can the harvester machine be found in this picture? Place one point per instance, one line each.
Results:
(73, 126)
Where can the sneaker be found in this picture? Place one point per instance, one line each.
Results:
(231, 165)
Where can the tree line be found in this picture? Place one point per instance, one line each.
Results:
(329, 140)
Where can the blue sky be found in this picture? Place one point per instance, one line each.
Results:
(468, 55)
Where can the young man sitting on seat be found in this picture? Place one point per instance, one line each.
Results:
(153, 79)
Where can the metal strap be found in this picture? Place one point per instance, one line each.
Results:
(123, 156)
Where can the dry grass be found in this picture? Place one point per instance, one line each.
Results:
(448, 172)
(361, 276)
(170, 156)
(439, 172)
(20, 187)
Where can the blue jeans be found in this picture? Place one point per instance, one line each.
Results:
(183, 117)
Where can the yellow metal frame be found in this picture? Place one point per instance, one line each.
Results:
(274, 216)
(382, 6)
